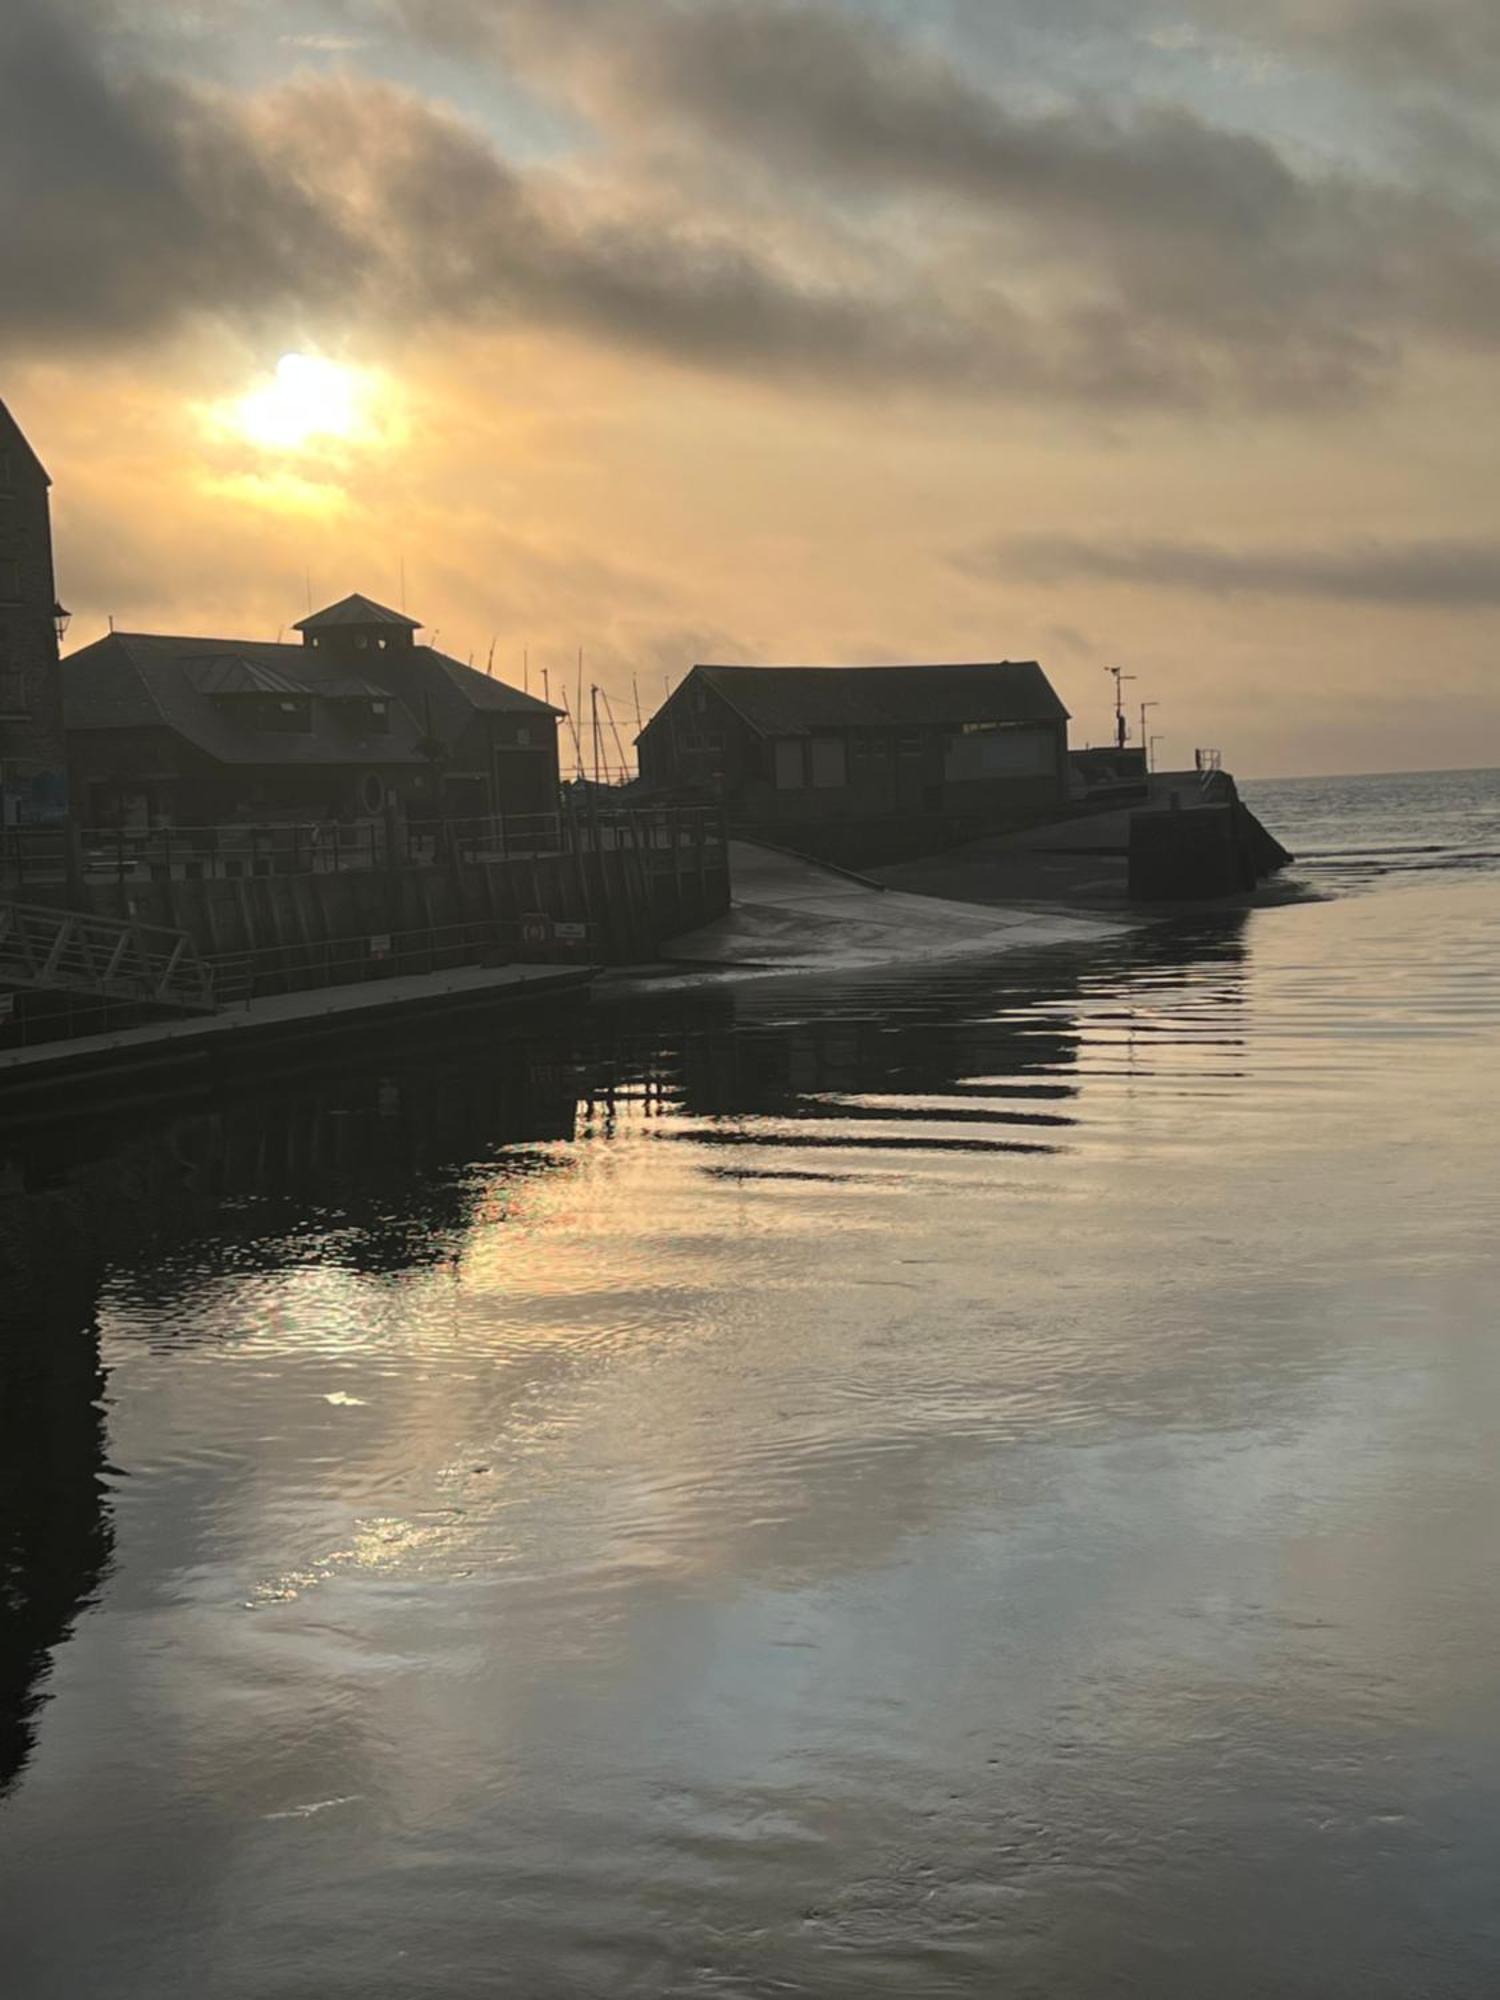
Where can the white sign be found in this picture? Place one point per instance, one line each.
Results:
(380, 945)
(571, 933)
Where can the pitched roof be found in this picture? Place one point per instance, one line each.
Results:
(791, 701)
(355, 610)
(133, 680)
(13, 438)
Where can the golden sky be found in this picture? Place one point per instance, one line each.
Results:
(1094, 331)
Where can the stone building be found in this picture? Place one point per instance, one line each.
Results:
(165, 730)
(33, 759)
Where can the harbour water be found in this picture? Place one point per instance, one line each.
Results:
(970, 1483)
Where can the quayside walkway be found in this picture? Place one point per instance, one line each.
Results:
(140, 1060)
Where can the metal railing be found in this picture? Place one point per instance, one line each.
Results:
(48, 856)
(67, 951)
(267, 970)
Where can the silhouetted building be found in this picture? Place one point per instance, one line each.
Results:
(33, 759)
(195, 732)
(800, 746)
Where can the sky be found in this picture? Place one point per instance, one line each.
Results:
(1100, 332)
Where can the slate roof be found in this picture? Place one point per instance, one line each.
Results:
(133, 680)
(793, 701)
(355, 610)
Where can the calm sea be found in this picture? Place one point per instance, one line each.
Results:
(974, 1484)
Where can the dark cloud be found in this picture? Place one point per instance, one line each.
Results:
(907, 228)
(128, 203)
(1451, 575)
(1219, 271)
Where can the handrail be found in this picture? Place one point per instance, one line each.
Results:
(111, 958)
(54, 854)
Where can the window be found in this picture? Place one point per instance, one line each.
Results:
(829, 767)
(378, 717)
(789, 776)
(1005, 752)
(10, 580)
(523, 734)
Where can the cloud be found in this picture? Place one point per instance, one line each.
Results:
(1453, 45)
(780, 189)
(1448, 574)
(1218, 270)
(128, 204)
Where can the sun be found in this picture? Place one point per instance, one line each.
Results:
(306, 399)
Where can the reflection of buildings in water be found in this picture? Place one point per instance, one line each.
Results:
(394, 1166)
(943, 1031)
(55, 1534)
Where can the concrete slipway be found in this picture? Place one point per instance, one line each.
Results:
(791, 915)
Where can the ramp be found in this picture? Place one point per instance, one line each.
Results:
(71, 951)
(798, 915)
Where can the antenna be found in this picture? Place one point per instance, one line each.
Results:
(546, 687)
(635, 689)
(594, 720)
(307, 585)
(111, 621)
(526, 670)
(403, 579)
(1122, 727)
(489, 665)
(1147, 741)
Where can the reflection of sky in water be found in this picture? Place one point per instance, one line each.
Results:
(916, 1489)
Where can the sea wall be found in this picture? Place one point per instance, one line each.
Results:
(266, 932)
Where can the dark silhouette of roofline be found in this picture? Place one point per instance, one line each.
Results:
(11, 432)
(859, 700)
(355, 610)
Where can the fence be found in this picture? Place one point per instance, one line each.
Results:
(50, 856)
(231, 979)
(267, 970)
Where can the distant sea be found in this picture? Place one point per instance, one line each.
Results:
(1351, 833)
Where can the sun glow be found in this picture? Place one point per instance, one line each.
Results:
(305, 400)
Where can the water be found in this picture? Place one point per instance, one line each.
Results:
(972, 1485)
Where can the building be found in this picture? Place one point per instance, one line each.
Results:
(804, 747)
(33, 760)
(169, 731)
